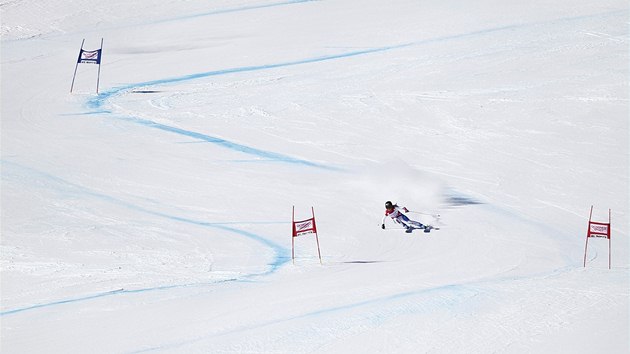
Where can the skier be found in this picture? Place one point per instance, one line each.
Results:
(394, 212)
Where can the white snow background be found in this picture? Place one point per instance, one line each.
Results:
(155, 216)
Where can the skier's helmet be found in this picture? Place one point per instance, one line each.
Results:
(389, 205)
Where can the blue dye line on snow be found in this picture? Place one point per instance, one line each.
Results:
(231, 10)
(99, 101)
(456, 294)
(111, 293)
(180, 18)
(108, 293)
(448, 296)
(281, 258)
(226, 143)
(280, 254)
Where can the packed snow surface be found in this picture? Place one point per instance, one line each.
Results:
(155, 216)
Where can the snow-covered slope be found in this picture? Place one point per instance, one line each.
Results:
(155, 216)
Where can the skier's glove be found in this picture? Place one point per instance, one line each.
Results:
(406, 210)
(383, 226)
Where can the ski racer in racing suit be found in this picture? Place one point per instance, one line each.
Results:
(394, 212)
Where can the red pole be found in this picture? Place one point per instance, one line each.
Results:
(293, 235)
(319, 253)
(609, 232)
(585, 249)
(609, 253)
(587, 232)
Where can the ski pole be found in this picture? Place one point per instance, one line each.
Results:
(435, 217)
(419, 212)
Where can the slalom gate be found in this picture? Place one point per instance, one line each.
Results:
(304, 227)
(598, 230)
(89, 57)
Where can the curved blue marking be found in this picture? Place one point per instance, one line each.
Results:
(448, 296)
(108, 293)
(98, 101)
(280, 254)
(281, 257)
(236, 9)
(226, 143)
(111, 293)
(166, 20)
